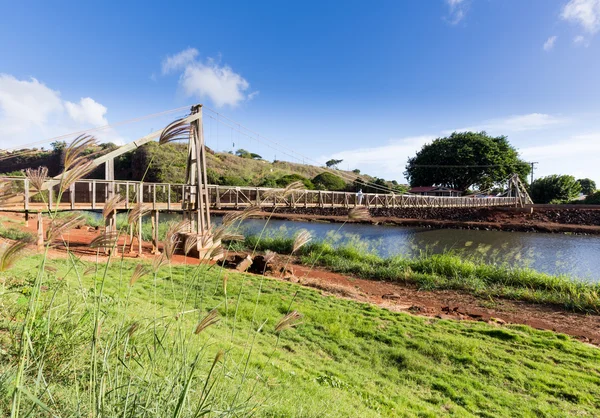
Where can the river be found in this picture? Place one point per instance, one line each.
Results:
(575, 256)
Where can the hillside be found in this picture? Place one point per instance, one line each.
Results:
(167, 163)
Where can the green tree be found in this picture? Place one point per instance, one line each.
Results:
(465, 159)
(242, 153)
(328, 181)
(554, 189)
(356, 171)
(588, 186)
(592, 199)
(333, 163)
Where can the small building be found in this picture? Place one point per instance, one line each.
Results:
(435, 191)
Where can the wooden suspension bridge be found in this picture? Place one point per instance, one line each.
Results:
(196, 197)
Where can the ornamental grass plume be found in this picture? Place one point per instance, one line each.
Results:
(11, 254)
(59, 226)
(290, 320)
(285, 192)
(37, 177)
(140, 271)
(107, 240)
(137, 212)
(359, 214)
(177, 131)
(233, 217)
(301, 239)
(111, 206)
(76, 164)
(210, 319)
(191, 242)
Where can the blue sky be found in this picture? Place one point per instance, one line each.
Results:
(367, 82)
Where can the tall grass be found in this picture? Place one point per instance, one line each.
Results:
(77, 350)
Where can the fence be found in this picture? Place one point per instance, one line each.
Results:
(92, 194)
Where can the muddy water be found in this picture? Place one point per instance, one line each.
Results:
(572, 255)
(576, 256)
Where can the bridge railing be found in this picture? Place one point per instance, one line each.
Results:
(92, 194)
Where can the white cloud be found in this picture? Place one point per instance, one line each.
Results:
(386, 160)
(179, 61)
(549, 44)
(88, 111)
(31, 112)
(581, 41)
(585, 13)
(208, 79)
(458, 10)
(516, 123)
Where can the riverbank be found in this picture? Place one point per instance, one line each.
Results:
(546, 220)
(443, 285)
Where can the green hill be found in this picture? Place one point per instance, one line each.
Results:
(166, 163)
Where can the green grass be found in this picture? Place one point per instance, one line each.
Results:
(443, 271)
(345, 359)
(13, 232)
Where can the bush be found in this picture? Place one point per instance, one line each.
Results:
(328, 181)
(593, 199)
(554, 189)
(284, 181)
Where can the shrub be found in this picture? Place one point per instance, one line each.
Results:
(593, 199)
(328, 181)
(555, 189)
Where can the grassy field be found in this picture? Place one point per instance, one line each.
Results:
(102, 347)
(442, 271)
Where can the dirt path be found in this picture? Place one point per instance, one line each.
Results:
(444, 304)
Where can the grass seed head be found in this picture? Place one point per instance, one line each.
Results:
(177, 131)
(359, 214)
(59, 226)
(140, 271)
(301, 239)
(37, 177)
(136, 213)
(108, 239)
(190, 242)
(210, 319)
(233, 217)
(11, 254)
(269, 256)
(111, 206)
(288, 321)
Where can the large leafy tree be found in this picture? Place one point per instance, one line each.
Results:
(588, 186)
(464, 160)
(554, 189)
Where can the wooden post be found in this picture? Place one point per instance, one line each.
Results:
(26, 193)
(93, 194)
(40, 232)
(154, 219)
(140, 199)
(169, 197)
(72, 195)
(50, 196)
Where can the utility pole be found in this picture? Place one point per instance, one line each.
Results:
(532, 169)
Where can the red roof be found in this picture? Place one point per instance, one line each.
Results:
(426, 189)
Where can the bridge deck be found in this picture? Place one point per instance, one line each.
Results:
(92, 194)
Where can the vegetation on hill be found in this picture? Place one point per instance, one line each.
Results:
(167, 163)
(109, 345)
